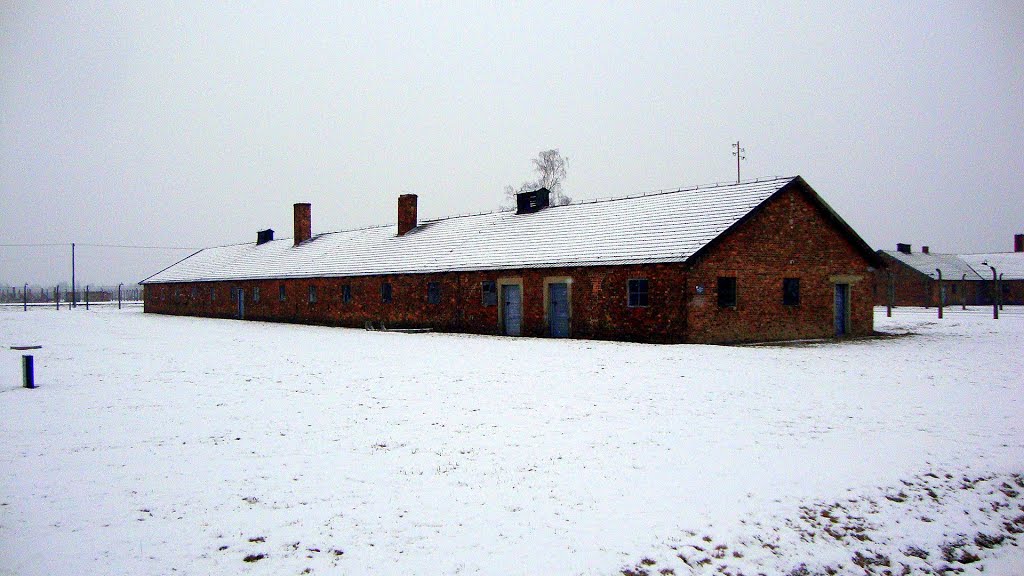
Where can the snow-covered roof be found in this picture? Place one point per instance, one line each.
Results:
(954, 266)
(1009, 264)
(658, 227)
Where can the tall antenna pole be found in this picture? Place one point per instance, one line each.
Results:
(738, 153)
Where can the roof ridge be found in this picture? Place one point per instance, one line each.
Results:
(957, 254)
(711, 186)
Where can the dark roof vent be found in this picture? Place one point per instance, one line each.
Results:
(529, 202)
(264, 236)
(905, 248)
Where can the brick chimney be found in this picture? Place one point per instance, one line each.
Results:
(406, 213)
(303, 223)
(924, 249)
(1018, 242)
(904, 248)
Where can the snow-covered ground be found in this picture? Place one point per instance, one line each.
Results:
(159, 445)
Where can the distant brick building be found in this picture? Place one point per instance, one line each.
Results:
(912, 278)
(755, 261)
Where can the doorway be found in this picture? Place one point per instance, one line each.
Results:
(512, 309)
(558, 309)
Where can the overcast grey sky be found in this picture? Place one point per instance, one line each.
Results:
(198, 124)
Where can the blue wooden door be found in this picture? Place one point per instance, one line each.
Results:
(558, 310)
(842, 301)
(512, 309)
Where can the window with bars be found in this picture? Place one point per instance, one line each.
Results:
(489, 293)
(433, 292)
(385, 292)
(637, 290)
(312, 294)
(281, 293)
(346, 293)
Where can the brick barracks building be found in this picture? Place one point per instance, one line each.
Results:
(753, 261)
(912, 278)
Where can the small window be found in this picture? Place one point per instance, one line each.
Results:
(791, 291)
(385, 292)
(346, 294)
(489, 293)
(433, 292)
(312, 294)
(727, 291)
(280, 293)
(195, 292)
(213, 293)
(256, 294)
(637, 293)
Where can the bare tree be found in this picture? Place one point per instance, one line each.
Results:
(550, 168)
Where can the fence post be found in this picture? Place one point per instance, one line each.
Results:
(86, 296)
(24, 297)
(963, 292)
(56, 295)
(890, 293)
(941, 299)
(999, 290)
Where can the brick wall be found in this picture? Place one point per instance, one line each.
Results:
(789, 238)
(598, 300)
(912, 288)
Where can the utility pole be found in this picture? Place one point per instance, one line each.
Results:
(738, 153)
(73, 275)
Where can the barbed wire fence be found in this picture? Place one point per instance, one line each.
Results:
(79, 274)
